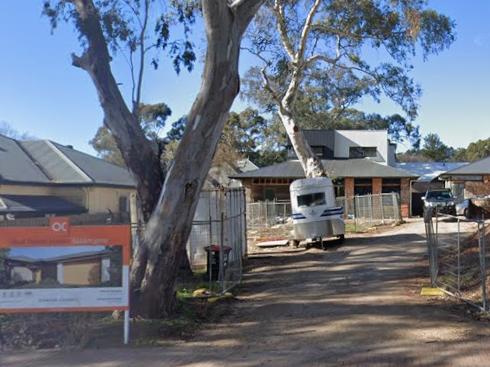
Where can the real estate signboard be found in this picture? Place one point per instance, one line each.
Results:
(60, 267)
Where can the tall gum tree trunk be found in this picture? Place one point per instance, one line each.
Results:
(156, 260)
(139, 154)
(312, 165)
(171, 222)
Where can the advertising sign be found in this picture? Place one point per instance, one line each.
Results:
(61, 267)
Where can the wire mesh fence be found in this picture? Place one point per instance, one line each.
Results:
(457, 262)
(362, 211)
(267, 213)
(217, 242)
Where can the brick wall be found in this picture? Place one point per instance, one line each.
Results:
(349, 186)
(405, 197)
(377, 186)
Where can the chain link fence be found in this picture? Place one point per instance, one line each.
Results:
(457, 262)
(361, 212)
(217, 242)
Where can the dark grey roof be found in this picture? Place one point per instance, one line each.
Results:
(481, 167)
(46, 162)
(337, 168)
(16, 204)
(15, 164)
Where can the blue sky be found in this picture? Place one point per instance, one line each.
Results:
(42, 94)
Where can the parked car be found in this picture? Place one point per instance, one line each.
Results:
(442, 199)
(463, 208)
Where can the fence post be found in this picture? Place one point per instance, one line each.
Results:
(382, 209)
(370, 204)
(346, 208)
(221, 254)
(356, 205)
(396, 207)
(245, 237)
(483, 269)
(459, 255)
(266, 214)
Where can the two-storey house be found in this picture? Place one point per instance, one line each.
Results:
(359, 161)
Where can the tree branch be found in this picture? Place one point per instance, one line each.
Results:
(136, 102)
(283, 31)
(306, 30)
(244, 11)
(269, 88)
(81, 62)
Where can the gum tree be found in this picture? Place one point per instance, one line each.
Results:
(296, 40)
(171, 196)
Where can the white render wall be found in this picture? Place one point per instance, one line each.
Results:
(344, 139)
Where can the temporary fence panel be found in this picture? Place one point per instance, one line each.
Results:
(219, 227)
(457, 265)
(363, 211)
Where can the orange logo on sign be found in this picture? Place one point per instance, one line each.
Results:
(59, 224)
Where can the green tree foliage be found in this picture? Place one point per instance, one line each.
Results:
(261, 140)
(335, 70)
(152, 119)
(477, 150)
(435, 150)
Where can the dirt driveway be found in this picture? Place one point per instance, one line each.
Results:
(356, 305)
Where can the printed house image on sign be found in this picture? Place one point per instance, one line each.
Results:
(60, 267)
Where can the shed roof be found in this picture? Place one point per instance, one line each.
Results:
(337, 168)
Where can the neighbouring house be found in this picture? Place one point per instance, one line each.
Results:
(359, 161)
(428, 173)
(41, 177)
(472, 179)
(78, 269)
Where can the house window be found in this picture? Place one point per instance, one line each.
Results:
(363, 152)
(391, 185)
(363, 186)
(269, 194)
(317, 198)
(338, 186)
(318, 151)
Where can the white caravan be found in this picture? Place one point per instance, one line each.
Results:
(314, 211)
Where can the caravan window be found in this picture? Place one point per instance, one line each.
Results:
(318, 198)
